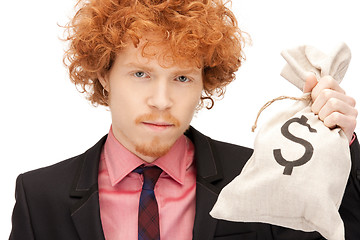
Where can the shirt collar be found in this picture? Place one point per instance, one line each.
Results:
(120, 161)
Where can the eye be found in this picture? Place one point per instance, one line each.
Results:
(182, 79)
(140, 74)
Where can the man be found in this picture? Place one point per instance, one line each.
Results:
(154, 63)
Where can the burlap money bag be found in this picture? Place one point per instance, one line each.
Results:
(297, 174)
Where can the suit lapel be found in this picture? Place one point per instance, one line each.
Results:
(208, 170)
(85, 212)
(204, 225)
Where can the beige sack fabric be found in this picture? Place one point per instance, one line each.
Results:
(298, 172)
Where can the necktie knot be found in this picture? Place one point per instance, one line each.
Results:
(151, 175)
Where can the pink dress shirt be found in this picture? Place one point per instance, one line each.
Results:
(120, 188)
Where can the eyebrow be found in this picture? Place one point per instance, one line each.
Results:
(140, 66)
(188, 71)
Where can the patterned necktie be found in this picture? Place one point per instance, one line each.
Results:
(148, 223)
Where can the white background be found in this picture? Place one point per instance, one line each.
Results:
(45, 120)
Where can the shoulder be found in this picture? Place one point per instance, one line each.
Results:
(217, 159)
(61, 176)
(232, 158)
(49, 183)
(223, 150)
(231, 150)
(58, 170)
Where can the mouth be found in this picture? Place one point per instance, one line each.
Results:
(158, 126)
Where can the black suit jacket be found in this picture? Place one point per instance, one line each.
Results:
(62, 201)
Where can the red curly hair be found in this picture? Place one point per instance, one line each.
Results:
(203, 31)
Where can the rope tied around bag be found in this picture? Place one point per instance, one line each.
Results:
(266, 105)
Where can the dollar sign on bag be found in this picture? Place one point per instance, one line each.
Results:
(309, 149)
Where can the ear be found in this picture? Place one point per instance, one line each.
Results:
(104, 80)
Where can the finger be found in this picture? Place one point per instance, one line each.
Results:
(327, 94)
(346, 123)
(336, 105)
(310, 83)
(326, 83)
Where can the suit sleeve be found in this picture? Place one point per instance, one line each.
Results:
(350, 206)
(21, 222)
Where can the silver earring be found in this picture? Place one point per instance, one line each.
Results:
(103, 92)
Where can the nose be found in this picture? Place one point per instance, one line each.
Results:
(160, 96)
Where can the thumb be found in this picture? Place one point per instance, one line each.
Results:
(310, 83)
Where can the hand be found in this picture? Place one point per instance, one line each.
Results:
(331, 104)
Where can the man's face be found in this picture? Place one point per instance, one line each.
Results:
(151, 104)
